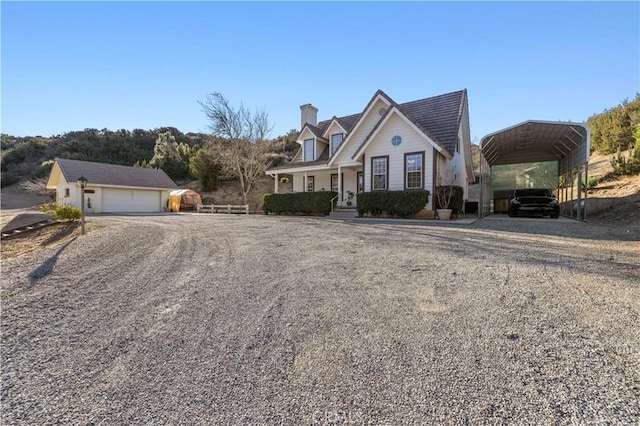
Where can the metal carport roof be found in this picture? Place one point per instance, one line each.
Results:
(533, 141)
(538, 141)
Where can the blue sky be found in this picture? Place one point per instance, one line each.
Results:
(74, 65)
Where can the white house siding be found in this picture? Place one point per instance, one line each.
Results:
(460, 173)
(72, 199)
(116, 200)
(412, 141)
(95, 197)
(322, 179)
(363, 129)
(319, 147)
(333, 129)
(297, 182)
(306, 134)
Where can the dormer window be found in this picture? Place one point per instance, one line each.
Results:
(336, 140)
(308, 150)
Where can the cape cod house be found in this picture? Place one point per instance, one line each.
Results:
(387, 146)
(111, 188)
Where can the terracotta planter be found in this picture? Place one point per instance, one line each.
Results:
(444, 214)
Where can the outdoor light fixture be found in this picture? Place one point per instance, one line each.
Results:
(82, 181)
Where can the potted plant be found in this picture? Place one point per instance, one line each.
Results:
(350, 195)
(444, 193)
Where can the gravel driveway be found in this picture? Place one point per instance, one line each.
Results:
(215, 319)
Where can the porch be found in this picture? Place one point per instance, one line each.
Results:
(346, 181)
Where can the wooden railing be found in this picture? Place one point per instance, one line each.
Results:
(223, 208)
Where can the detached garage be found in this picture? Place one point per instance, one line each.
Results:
(111, 188)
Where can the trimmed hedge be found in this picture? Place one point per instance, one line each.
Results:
(456, 202)
(299, 202)
(395, 203)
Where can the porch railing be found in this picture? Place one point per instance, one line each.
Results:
(332, 202)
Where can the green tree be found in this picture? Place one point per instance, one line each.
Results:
(205, 165)
(614, 128)
(166, 156)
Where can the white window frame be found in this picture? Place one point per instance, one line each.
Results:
(334, 149)
(313, 148)
(407, 171)
(374, 174)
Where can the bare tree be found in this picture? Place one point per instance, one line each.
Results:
(246, 134)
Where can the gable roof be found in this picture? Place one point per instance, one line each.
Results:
(114, 174)
(438, 117)
(297, 161)
(317, 132)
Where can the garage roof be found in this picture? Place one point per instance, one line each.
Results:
(533, 140)
(112, 175)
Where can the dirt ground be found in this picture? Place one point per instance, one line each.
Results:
(294, 320)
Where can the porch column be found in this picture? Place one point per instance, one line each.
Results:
(340, 183)
(276, 181)
(304, 183)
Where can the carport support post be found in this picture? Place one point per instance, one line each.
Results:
(276, 181)
(586, 179)
(579, 209)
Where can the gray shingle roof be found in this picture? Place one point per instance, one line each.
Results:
(347, 122)
(317, 132)
(113, 174)
(438, 117)
(322, 160)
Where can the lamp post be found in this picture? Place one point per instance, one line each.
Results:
(82, 181)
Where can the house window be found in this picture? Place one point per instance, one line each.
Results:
(413, 170)
(379, 173)
(66, 192)
(336, 140)
(360, 178)
(458, 144)
(310, 183)
(334, 182)
(308, 150)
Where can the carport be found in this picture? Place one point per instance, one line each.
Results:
(532, 141)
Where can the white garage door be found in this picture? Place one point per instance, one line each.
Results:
(130, 200)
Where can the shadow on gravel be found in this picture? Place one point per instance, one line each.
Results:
(47, 266)
(66, 231)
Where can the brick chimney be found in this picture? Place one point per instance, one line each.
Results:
(308, 114)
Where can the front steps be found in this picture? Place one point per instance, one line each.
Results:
(343, 213)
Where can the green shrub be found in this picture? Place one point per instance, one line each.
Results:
(44, 170)
(623, 166)
(68, 213)
(299, 202)
(457, 199)
(49, 208)
(8, 178)
(395, 203)
(592, 182)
